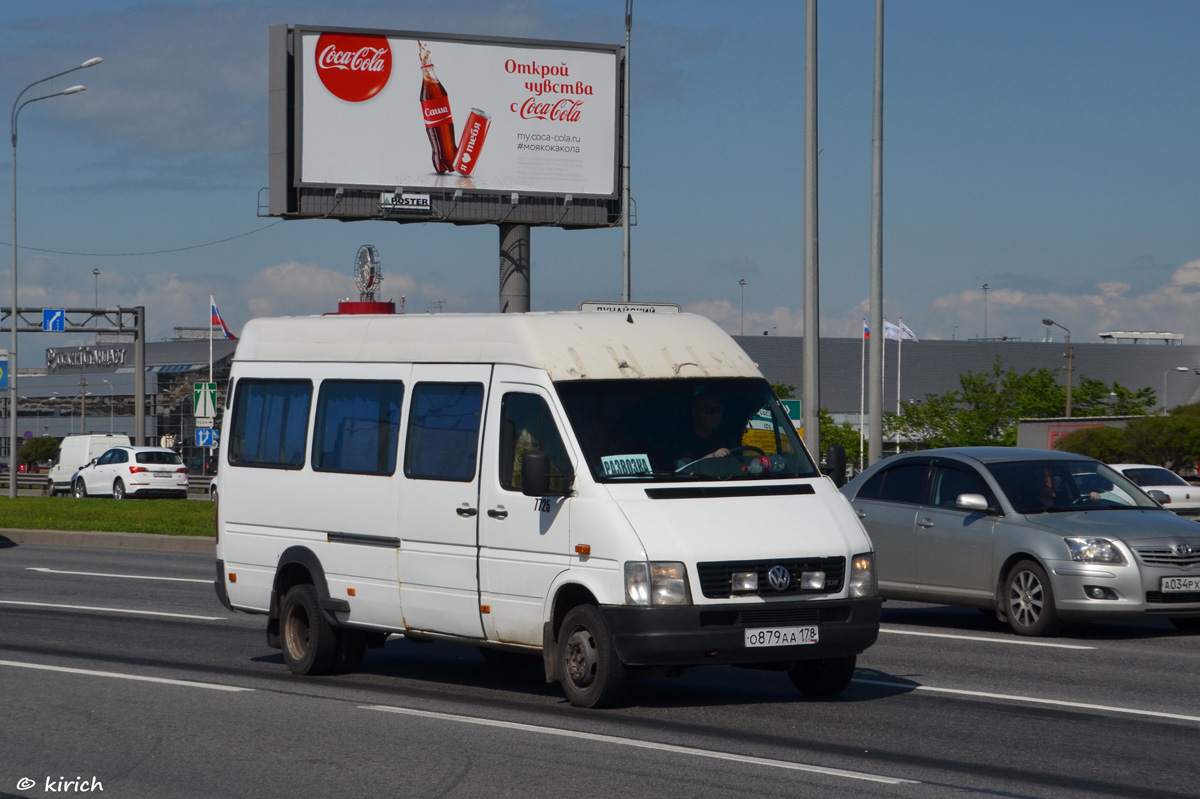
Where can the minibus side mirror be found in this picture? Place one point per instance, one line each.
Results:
(535, 475)
(835, 463)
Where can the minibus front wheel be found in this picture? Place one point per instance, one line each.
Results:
(592, 673)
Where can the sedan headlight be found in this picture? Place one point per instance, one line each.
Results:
(656, 583)
(862, 576)
(1093, 550)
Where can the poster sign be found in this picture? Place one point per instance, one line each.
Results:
(3, 370)
(403, 111)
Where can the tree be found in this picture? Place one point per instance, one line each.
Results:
(1172, 440)
(1102, 443)
(41, 448)
(986, 409)
(845, 433)
(1095, 398)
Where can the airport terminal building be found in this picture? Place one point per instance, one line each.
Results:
(91, 388)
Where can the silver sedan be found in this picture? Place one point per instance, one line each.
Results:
(1040, 537)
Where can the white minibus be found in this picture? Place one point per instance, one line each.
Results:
(619, 494)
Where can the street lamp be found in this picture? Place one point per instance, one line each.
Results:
(1165, 373)
(742, 283)
(96, 274)
(111, 399)
(12, 319)
(1070, 360)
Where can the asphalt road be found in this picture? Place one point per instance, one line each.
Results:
(119, 668)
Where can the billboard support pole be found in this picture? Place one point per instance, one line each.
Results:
(626, 277)
(514, 268)
(811, 368)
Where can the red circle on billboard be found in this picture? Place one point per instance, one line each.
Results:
(352, 67)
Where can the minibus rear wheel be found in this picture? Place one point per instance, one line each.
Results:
(592, 673)
(309, 641)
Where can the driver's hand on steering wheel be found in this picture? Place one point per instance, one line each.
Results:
(718, 453)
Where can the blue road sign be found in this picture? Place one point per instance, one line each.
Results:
(206, 437)
(54, 320)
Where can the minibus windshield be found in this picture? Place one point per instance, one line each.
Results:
(683, 429)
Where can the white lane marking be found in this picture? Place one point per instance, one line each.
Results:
(1013, 641)
(117, 676)
(44, 570)
(111, 610)
(1031, 700)
(612, 739)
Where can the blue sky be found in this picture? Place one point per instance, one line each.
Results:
(1048, 149)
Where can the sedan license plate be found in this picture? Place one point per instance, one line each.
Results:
(1180, 585)
(164, 474)
(781, 636)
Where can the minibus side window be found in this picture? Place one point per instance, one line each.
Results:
(270, 423)
(527, 426)
(443, 431)
(357, 426)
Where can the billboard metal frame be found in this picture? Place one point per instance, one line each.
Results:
(290, 198)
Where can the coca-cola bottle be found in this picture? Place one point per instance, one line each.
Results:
(435, 108)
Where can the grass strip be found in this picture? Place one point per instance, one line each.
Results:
(161, 516)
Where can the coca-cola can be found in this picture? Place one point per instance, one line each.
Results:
(473, 135)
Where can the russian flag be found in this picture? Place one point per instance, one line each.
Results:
(866, 330)
(217, 320)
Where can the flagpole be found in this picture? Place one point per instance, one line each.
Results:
(862, 393)
(211, 302)
(899, 344)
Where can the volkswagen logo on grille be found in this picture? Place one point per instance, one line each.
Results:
(779, 578)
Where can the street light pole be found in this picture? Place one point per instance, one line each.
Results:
(1070, 361)
(742, 283)
(111, 399)
(986, 288)
(12, 319)
(1165, 373)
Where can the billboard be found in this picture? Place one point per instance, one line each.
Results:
(389, 110)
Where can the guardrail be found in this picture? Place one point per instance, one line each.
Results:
(197, 484)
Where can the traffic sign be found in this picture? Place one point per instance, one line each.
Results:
(207, 437)
(204, 399)
(54, 320)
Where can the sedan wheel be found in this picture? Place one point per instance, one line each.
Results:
(118, 489)
(1029, 600)
(80, 489)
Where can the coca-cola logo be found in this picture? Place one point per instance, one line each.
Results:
(352, 67)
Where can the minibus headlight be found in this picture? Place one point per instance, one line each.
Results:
(656, 583)
(862, 576)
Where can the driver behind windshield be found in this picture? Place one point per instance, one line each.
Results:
(700, 439)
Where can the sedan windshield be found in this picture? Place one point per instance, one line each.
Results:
(684, 429)
(1053, 486)
(1154, 476)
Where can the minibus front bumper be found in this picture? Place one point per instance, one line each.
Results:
(697, 635)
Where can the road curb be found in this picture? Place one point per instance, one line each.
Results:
(72, 538)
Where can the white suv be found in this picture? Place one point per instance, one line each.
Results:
(128, 471)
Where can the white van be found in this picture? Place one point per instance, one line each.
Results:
(75, 452)
(539, 483)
